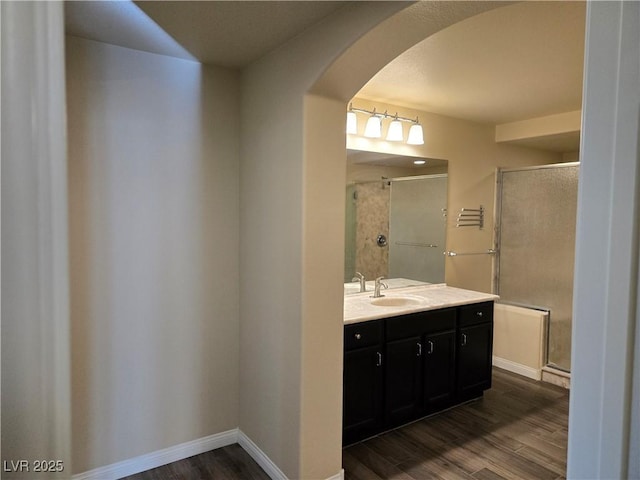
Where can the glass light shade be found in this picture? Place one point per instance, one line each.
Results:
(373, 129)
(415, 135)
(394, 134)
(352, 123)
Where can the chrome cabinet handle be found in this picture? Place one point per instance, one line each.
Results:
(358, 336)
(379, 361)
(430, 351)
(464, 339)
(479, 314)
(419, 349)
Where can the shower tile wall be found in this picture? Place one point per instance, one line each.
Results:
(372, 219)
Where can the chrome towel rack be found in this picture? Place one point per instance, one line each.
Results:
(471, 217)
(490, 251)
(412, 244)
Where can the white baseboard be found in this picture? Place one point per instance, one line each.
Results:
(160, 457)
(186, 450)
(518, 368)
(265, 462)
(338, 476)
(260, 457)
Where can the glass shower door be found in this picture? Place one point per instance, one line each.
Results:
(536, 239)
(417, 228)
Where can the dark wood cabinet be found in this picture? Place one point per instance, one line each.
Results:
(475, 347)
(363, 381)
(474, 360)
(419, 357)
(400, 369)
(403, 375)
(439, 370)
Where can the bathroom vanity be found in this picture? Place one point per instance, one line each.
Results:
(411, 353)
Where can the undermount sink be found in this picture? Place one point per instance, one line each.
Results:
(397, 301)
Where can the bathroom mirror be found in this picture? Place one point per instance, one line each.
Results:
(395, 219)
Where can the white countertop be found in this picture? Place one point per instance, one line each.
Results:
(358, 307)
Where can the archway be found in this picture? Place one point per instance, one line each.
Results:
(603, 370)
(323, 214)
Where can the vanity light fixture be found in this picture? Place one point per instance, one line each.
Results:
(395, 134)
(415, 135)
(352, 123)
(373, 128)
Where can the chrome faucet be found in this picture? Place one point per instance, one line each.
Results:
(378, 284)
(363, 283)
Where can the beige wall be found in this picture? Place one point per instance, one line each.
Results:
(153, 194)
(473, 157)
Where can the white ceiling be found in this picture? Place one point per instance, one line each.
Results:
(225, 33)
(512, 63)
(120, 23)
(235, 33)
(520, 61)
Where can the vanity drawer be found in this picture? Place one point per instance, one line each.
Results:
(420, 323)
(475, 313)
(362, 334)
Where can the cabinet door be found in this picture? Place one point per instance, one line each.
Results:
(403, 375)
(474, 360)
(362, 394)
(439, 370)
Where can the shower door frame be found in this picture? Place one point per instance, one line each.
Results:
(497, 230)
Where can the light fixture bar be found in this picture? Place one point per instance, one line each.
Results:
(384, 114)
(373, 128)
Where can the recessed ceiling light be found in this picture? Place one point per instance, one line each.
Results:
(419, 162)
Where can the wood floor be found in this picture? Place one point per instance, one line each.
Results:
(517, 431)
(227, 463)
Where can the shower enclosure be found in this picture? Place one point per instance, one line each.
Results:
(536, 222)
